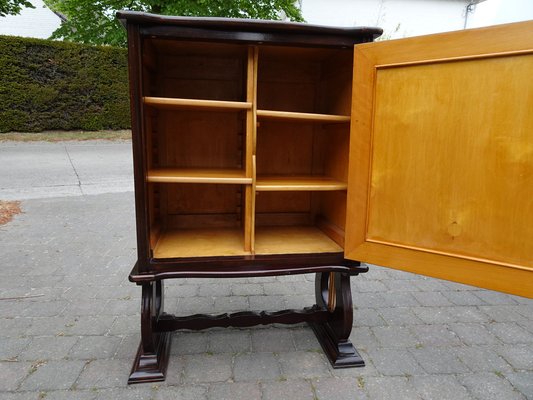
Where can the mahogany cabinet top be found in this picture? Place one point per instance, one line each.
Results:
(247, 30)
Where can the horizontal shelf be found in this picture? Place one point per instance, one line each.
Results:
(194, 104)
(198, 175)
(293, 240)
(299, 116)
(296, 183)
(200, 243)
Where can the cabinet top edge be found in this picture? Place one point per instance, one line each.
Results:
(240, 24)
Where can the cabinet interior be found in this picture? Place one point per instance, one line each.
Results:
(246, 148)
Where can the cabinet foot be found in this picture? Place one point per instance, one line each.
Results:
(152, 367)
(341, 354)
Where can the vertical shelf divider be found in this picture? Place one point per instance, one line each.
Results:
(251, 120)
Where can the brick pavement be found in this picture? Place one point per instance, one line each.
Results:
(69, 325)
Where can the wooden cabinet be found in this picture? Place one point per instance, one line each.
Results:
(265, 148)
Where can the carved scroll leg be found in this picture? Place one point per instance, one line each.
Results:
(151, 361)
(333, 292)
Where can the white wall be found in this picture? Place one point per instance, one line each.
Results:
(38, 22)
(398, 18)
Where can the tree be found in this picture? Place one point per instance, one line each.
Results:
(95, 22)
(13, 7)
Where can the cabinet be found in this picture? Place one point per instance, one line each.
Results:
(269, 148)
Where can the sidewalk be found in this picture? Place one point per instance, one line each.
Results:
(70, 323)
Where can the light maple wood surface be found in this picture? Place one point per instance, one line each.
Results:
(442, 157)
(299, 116)
(195, 104)
(293, 240)
(199, 175)
(295, 183)
(200, 243)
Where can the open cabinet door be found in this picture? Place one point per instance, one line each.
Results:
(441, 157)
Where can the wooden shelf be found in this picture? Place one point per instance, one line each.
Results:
(299, 116)
(194, 104)
(200, 243)
(198, 175)
(293, 240)
(298, 183)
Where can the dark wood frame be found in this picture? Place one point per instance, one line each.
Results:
(331, 316)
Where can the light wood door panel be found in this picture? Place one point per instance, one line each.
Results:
(441, 157)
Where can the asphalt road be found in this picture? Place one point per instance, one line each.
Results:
(40, 170)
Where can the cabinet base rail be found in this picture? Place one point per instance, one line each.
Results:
(330, 318)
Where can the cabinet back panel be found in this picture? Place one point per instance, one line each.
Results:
(197, 139)
(199, 71)
(284, 148)
(194, 198)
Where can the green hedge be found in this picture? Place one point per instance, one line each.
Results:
(50, 85)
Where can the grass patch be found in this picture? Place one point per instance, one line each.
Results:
(59, 136)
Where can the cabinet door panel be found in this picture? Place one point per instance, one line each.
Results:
(441, 157)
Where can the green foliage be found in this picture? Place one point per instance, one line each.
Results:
(48, 85)
(95, 22)
(13, 7)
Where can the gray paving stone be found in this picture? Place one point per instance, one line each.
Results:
(395, 362)
(338, 389)
(278, 288)
(364, 338)
(53, 375)
(360, 286)
(207, 368)
(196, 392)
(21, 396)
(482, 358)
(104, 374)
(434, 315)
(189, 343)
(14, 327)
(256, 367)
(473, 334)
(487, 386)
(441, 387)
(124, 325)
(390, 388)
(48, 348)
(12, 374)
(272, 340)
(519, 356)
(247, 289)
(439, 360)
(138, 392)
(305, 339)
(399, 316)
(128, 346)
(494, 298)
(400, 299)
(429, 284)
(295, 389)
(267, 303)
(303, 364)
(91, 347)
(229, 341)
(431, 299)
(395, 336)
(463, 298)
(11, 347)
(467, 314)
(195, 305)
(368, 300)
(368, 317)
(83, 307)
(231, 304)
(502, 313)
(69, 394)
(511, 333)
(181, 291)
(435, 335)
(522, 381)
(219, 289)
(395, 285)
(175, 371)
(234, 391)
(88, 325)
